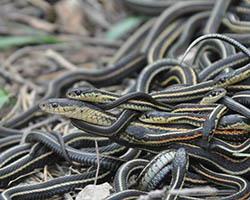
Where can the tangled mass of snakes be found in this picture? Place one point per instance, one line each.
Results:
(183, 124)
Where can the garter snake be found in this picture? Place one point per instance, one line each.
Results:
(154, 135)
(10, 141)
(230, 121)
(200, 89)
(193, 24)
(164, 40)
(210, 50)
(228, 148)
(61, 184)
(180, 166)
(219, 161)
(172, 13)
(233, 61)
(216, 16)
(183, 120)
(135, 100)
(242, 97)
(125, 171)
(225, 179)
(153, 168)
(182, 74)
(185, 75)
(229, 40)
(28, 162)
(213, 96)
(55, 186)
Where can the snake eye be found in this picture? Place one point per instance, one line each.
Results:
(69, 94)
(54, 105)
(222, 80)
(43, 105)
(77, 92)
(213, 94)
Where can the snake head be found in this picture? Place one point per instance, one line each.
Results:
(217, 92)
(213, 96)
(153, 117)
(224, 79)
(59, 105)
(86, 94)
(180, 159)
(76, 93)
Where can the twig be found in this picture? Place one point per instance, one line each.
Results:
(22, 176)
(60, 169)
(63, 46)
(41, 123)
(66, 128)
(197, 190)
(16, 77)
(98, 162)
(32, 21)
(45, 172)
(23, 91)
(60, 125)
(60, 59)
(31, 98)
(154, 194)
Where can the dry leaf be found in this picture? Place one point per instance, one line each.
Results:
(71, 17)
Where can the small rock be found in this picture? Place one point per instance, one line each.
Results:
(94, 192)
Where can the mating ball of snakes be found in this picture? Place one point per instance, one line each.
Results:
(179, 130)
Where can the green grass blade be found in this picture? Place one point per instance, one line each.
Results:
(12, 41)
(4, 97)
(119, 29)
